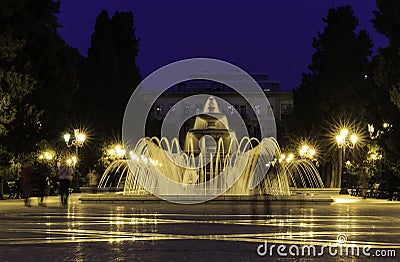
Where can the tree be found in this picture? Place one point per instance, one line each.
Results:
(52, 63)
(15, 87)
(33, 55)
(15, 107)
(387, 22)
(387, 75)
(338, 84)
(109, 78)
(100, 78)
(126, 47)
(337, 80)
(111, 74)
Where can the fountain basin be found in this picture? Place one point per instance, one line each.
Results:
(223, 199)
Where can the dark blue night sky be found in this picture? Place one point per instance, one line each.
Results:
(260, 36)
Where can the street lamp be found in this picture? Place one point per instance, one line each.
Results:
(343, 140)
(289, 158)
(79, 139)
(71, 161)
(77, 142)
(307, 152)
(46, 155)
(117, 151)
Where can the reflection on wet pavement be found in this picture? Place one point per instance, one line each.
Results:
(222, 230)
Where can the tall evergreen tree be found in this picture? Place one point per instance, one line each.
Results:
(111, 73)
(126, 47)
(337, 78)
(109, 78)
(100, 78)
(337, 84)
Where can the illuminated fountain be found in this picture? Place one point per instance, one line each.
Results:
(213, 161)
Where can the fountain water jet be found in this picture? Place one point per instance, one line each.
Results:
(213, 161)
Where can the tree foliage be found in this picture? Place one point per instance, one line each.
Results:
(38, 76)
(338, 86)
(387, 74)
(111, 73)
(52, 63)
(387, 22)
(47, 87)
(108, 79)
(15, 88)
(337, 83)
(15, 108)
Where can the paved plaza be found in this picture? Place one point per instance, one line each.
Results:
(204, 232)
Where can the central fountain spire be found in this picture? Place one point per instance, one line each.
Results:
(211, 106)
(211, 123)
(211, 118)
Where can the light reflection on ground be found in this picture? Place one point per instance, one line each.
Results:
(195, 232)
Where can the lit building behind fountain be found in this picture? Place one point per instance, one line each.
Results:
(213, 160)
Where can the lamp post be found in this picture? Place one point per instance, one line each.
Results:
(47, 155)
(307, 152)
(77, 142)
(116, 152)
(343, 140)
(286, 158)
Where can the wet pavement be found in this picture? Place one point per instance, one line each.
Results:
(203, 232)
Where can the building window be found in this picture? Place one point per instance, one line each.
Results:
(187, 109)
(198, 109)
(230, 110)
(172, 110)
(287, 109)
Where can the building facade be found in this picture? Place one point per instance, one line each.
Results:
(280, 105)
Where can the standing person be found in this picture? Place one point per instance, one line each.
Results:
(43, 184)
(42, 171)
(64, 173)
(18, 188)
(27, 180)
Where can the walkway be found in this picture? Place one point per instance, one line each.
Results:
(170, 232)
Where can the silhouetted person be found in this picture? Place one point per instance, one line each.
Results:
(42, 181)
(64, 173)
(15, 190)
(27, 180)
